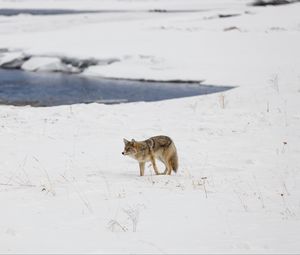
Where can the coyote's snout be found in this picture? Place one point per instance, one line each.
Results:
(157, 147)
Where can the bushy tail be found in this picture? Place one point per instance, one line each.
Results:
(174, 161)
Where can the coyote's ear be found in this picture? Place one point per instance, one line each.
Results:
(125, 141)
(132, 140)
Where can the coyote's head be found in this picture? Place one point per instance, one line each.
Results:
(130, 148)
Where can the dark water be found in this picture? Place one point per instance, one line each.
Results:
(12, 12)
(51, 89)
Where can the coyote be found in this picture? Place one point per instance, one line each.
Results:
(160, 147)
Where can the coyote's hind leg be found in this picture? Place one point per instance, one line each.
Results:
(154, 165)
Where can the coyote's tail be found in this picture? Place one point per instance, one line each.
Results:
(174, 161)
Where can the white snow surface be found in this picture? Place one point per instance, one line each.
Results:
(66, 188)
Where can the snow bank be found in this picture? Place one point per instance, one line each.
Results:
(44, 64)
(142, 68)
(12, 59)
(237, 189)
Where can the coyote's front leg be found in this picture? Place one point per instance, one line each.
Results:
(142, 168)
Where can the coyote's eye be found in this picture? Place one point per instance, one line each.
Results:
(130, 149)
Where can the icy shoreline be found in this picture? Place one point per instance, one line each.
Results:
(10, 59)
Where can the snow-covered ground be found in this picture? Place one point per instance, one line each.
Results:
(66, 188)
